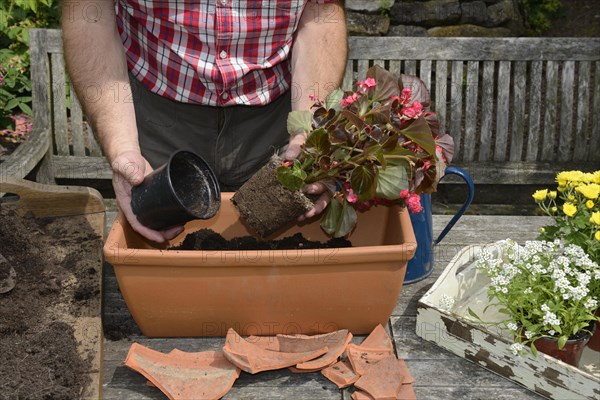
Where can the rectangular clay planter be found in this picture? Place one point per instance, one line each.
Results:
(203, 293)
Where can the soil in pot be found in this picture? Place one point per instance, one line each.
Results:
(207, 239)
(57, 283)
(265, 205)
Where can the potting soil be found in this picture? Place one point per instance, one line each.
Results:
(57, 266)
(207, 239)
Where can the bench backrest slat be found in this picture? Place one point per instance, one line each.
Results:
(518, 112)
(535, 101)
(59, 110)
(77, 125)
(595, 138)
(471, 109)
(456, 101)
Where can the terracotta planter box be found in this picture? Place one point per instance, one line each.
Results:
(203, 293)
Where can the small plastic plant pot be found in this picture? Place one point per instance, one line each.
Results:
(183, 189)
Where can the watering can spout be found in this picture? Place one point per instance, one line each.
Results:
(421, 265)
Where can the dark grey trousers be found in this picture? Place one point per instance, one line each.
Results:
(235, 141)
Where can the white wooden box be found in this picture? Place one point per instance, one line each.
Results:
(452, 328)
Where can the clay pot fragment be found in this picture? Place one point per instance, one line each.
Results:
(336, 343)
(406, 392)
(341, 373)
(362, 358)
(252, 358)
(378, 339)
(383, 380)
(180, 375)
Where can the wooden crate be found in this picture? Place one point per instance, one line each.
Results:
(65, 202)
(452, 328)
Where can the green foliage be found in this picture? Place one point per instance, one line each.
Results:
(540, 13)
(384, 7)
(17, 17)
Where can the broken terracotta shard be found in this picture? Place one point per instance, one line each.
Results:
(180, 375)
(363, 358)
(358, 395)
(378, 339)
(408, 378)
(406, 392)
(252, 358)
(341, 373)
(336, 342)
(383, 380)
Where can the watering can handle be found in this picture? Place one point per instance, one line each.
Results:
(452, 170)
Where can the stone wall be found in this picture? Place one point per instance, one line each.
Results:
(478, 18)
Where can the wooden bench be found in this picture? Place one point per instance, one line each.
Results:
(519, 109)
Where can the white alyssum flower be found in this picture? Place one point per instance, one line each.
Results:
(516, 348)
(591, 304)
(528, 334)
(512, 326)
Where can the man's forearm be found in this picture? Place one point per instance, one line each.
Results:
(319, 54)
(97, 66)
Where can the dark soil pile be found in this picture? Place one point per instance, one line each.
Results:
(207, 239)
(56, 267)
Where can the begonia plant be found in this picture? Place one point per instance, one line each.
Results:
(377, 144)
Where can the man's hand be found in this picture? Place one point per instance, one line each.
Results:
(129, 170)
(292, 152)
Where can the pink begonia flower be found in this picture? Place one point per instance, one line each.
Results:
(426, 165)
(366, 84)
(312, 97)
(413, 111)
(414, 203)
(404, 193)
(349, 100)
(405, 96)
(351, 196)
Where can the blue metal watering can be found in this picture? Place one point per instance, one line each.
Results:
(421, 265)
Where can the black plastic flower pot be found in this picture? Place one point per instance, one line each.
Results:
(183, 189)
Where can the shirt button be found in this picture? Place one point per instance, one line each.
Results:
(224, 95)
(223, 54)
(223, 2)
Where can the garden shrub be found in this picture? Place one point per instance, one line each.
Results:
(540, 13)
(17, 17)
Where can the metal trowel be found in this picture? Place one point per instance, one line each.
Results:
(8, 275)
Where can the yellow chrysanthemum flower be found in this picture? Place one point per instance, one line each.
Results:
(554, 210)
(552, 194)
(565, 177)
(597, 236)
(589, 204)
(571, 197)
(587, 177)
(590, 191)
(569, 209)
(595, 218)
(542, 230)
(540, 195)
(596, 177)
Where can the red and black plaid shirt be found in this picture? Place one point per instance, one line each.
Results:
(211, 52)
